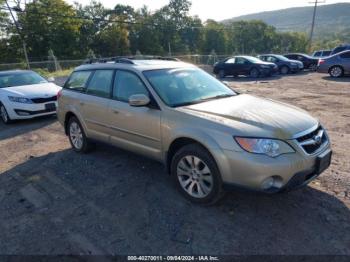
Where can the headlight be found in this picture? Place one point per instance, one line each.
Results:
(265, 66)
(294, 64)
(269, 147)
(20, 100)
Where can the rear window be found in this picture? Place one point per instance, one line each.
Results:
(78, 80)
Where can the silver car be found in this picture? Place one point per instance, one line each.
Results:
(336, 65)
(209, 137)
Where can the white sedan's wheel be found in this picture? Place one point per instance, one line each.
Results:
(4, 116)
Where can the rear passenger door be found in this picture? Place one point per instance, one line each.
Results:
(134, 128)
(94, 104)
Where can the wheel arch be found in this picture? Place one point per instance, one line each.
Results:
(70, 114)
(180, 142)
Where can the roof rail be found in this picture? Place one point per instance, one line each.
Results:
(127, 59)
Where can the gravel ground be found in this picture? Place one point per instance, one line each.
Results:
(54, 201)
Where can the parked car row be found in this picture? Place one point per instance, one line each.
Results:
(336, 65)
(263, 65)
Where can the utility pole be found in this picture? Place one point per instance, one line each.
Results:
(20, 35)
(313, 21)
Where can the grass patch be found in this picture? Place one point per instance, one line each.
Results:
(45, 73)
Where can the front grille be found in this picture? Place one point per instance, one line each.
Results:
(44, 100)
(314, 140)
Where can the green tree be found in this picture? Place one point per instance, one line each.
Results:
(214, 38)
(51, 24)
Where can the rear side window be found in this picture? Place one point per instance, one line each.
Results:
(78, 80)
(127, 84)
(318, 54)
(345, 55)
(101, 83)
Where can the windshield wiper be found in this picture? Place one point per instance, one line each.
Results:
(216, 97)
(202, 100)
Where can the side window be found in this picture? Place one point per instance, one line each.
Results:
(78, 80)
(345, 55)
(101, 83)
(241, 61)
(230, 61)
(127, 84)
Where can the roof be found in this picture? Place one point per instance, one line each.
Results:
(139, 65)
(13, 72)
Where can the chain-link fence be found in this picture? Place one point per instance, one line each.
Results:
(58, 65)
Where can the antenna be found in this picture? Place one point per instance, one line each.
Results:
(313, 21)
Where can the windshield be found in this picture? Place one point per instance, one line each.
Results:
(20, 79)
(179, 87)
(281, 57)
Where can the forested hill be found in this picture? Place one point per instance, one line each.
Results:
(331, 19)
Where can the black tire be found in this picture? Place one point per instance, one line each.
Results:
(336, 71)
(86, 145)
(221, 73)
(313, 67)
(284, 70)
(254, 72)
(201, 153)
(4, 115)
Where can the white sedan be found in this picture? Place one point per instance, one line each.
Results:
(25, 94)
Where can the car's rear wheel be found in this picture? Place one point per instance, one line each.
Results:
(77, 137)
(222, 73)
(254, 73)
(4, 115)
(196, 174)
(284, 70)
(336, 71)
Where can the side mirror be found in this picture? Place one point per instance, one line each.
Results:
(139, 100)
(51, 79)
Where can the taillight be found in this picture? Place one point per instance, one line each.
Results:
(59, 94)
(320, 61)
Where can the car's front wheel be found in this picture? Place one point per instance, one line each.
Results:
(254, 73)
(77, 137)
(284, 70)
(4, 115)
(222, 73)
(336, 71)
(196, 174)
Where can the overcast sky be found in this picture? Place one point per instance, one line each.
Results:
(217, 9)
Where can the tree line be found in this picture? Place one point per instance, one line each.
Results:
(78, 32)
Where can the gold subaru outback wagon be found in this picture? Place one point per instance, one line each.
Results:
(209, 137)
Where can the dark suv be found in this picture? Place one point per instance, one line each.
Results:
(340, 48)
(244, 65)
(284, 64)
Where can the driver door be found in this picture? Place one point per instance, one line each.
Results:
(133, 128)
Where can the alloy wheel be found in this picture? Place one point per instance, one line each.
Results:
(76, 135)
(254, 73)
(336, 71)
(195, 176)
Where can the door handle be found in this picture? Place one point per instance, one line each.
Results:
(81, 103)
(115, 111)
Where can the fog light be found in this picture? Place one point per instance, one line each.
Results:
(273, 182)
(22, 113)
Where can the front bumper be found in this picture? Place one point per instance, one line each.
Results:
(28, 111)
(249, 171)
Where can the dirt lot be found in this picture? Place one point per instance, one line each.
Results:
(54, 201)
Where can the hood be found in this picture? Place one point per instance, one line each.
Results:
(34, 91)
(253, 116)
